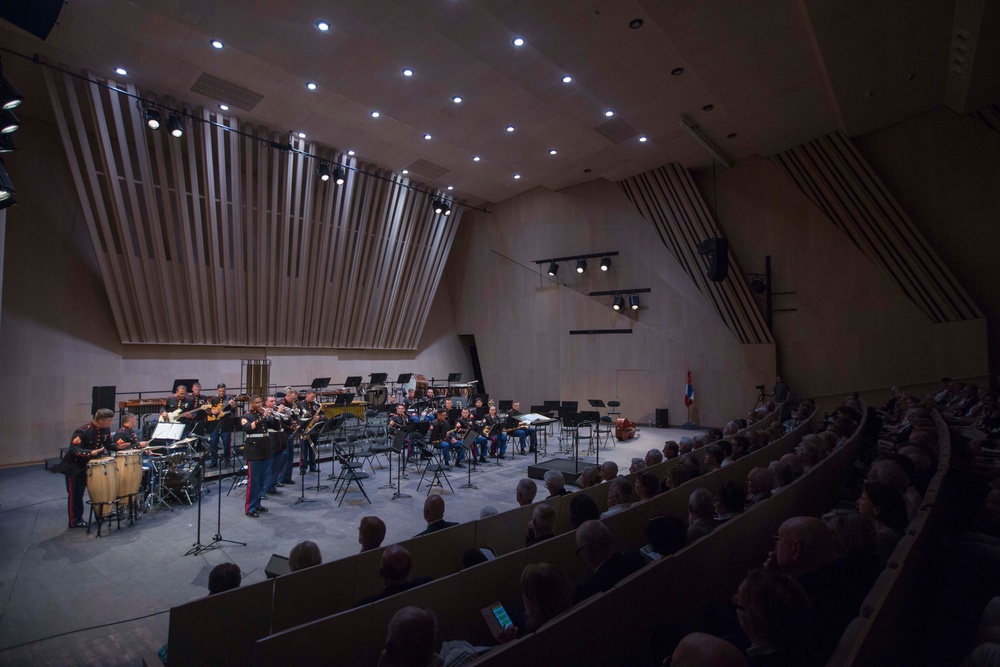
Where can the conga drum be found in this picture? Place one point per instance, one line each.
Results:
(129, 464)
(102, 482)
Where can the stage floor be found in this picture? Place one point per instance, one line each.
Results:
(54, 580)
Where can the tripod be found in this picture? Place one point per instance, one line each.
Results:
(217, 538)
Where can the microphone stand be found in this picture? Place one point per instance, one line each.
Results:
(198, 547)
(468, 452)
(217, 538)
(400, 471)
(302, 475)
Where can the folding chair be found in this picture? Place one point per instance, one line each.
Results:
(351, 471)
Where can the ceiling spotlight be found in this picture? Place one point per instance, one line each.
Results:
(375, 114)
(405, 171)
(517, 41)
(605, 263)
(7, 192)
(224, 107)
(457, 99)
(323, 25)
(635, 24)
(302, 135)
(350, 153)
(708, 107)
(8, 122)
(121, 71)
(517, 177)
(10, 96)
(441, 206)
(643, 140)
(407, 71)
(152, 117)
(633, 302)
(451, 187)
(619, 302)
(476, 158)
(581, 265)
(509, 128)
(216, 44)
(175, 125)
(427, 136)
(567, 79)
(609, 113)
(7, 143)
(553, 268)
(677, 71)
(552, 151)
(310, 85)
(323, 170)
(339, 175)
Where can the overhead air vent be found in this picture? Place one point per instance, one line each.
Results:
(616, 130)
(226, 91)
(428, 169)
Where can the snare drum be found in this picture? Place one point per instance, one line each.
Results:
(377, 395)
(129, 464)
(102, 481)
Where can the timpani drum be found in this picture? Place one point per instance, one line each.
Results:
(377, 395)
(129, 464)
(102, 481)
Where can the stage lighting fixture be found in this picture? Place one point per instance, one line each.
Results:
(7, 143)
(633, 302)
(10, 96)
(619, 302)
(581, 265)
(442, 206)
(175, 125)
(152, 117)
(553, 268)
(323, 170)
(339, 175)
(7, 192)
(605, 263)
(8, 122)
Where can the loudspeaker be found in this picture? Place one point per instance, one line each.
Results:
(277, 566)
(37, 17)
(662, 418)
(717, 251)
(102, 397)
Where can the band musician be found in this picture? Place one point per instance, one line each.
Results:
(255, 448)
(222, 412)
(462, 426)
(90, 441)
(176, 405)
(497, 437)
(309, 409)
(441, 434)
(198, 400)
(523, 430)
(125, 437)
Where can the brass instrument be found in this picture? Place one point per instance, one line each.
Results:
(312, 422)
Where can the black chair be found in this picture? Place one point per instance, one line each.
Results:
(568, 432)
(351, 472)
(587, 429)
(438, 470)
(613, 414)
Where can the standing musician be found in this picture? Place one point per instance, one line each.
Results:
(440, 433)
(309, 409)
(255, 424)
(221, 413)
(523, 430)
(90, 441)
(289, 409)
(497, 437)
(275, 446)
(179, 401)
(197, 400)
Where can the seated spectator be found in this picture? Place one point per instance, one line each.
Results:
(588, 477)
(488, 511)
(712, 435)
(646, 487)
(691, 463)
(582, 508)
(395, 572)
(224, 577)
(803, 411)
(653, 457)
(858, 542)
(729, 499)
(741, 447)
(555, 484)
(782, 475)
(827, 440)
(712, 458)
(675, 477)
(699, 650)
(666, 534)
(412, 640)
(686, 445)
(671, 450)
(526, 490)
(733, 427)
(609, 470)
(892, 474)
(546, 593)
(371, 532)
(701, 514)
(760, 481)
(542, 525)
(886, 510)
(810, 453)
(638, 465)
(597, 547)
(795, 464)
(777, 616)
(304, 554)
(434, 516)
(727, 452)
(619, 496)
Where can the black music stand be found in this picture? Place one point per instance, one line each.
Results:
(466, 444)
(378, 378)
(399, 446)
(319, 384)
(329, 426)
(352, 382)
(217, 539)
(596, 403)
(506, 405)
(343, 399)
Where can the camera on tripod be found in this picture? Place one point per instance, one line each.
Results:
(760, 387)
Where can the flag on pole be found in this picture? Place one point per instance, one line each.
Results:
(688, 392)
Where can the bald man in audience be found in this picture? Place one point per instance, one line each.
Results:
(597, 547)
(412, 640)
(619, 497)
(542, 525)
(395, 572)
(526, 491)
(434, 516)
(701, 650)
(609, 470)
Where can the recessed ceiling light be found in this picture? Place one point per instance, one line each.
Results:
(517, 41)
(567, 79)
(517, 176)
(552, 151)
(451, 187)
(407, 71)
(121, 71)
(427, 136)
(375, 114)
(708, 107)
(635, 24)
(224, 107)
(731, 135)
(609, 113)
(643, 140)
(476, 158)
(216, 44)
(323, 25)
(457, 99)
(350, 152)
(509, 128)
(310, 85)
(405, 171)
(302, 135)
(677, 71)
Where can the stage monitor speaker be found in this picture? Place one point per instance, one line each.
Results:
(717, 251)
(277, 566)
(102, 397)
(36, 16)
(662, 418)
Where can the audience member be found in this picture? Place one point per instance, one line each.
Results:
(619, 497)
(886, 510)
(777, 616)
(703, 650)
(542, 525)
(646, 486)
(395, 573)
(371, 532)
(858, 542)
(809, 454)
(412, 640)
(701, 514)
(891, 473)
(666, 534)
(760, 481)
(671, 450)
(582, 508)
(712, 458)
(488, 511)
(588, 478)
(782, 475)
(653, 457)
(741, 447)
(597, 547)
(727, 452)
(555, 484)
(729, 500)
(224, 577)
(526, 490)
(638, 465)
(686, 445)
(675, 477)
(796, 466)
(434, 516)
(546, 593)
(304, 554)
(609, 470)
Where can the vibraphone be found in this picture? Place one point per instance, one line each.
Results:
(356, 408)
(143, 406)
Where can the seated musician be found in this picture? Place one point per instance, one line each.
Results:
(411, 397)
(221, 413)
(126, 437)
(497, 437)
(397, 420)
(310, 418)
(462, 426)
(176, 405)
(479, 411)
(523, 430)
(441, 434)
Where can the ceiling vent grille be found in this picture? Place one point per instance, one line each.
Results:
(616, 130)
(226, 91)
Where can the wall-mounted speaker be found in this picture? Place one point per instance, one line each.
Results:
(717, 251)
(102, 397)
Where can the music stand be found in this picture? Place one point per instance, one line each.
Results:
(399, 446)
(352, 382)
(470, 437)
(596, 403)
(320, 383)
(343, 399)
(378, 378)
(454, 377)
(506, 405)
(404, 378)
(329, 426)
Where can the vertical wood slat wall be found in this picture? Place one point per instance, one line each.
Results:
(668, 199)
(219, 239)
(837, 179)
(989, 116)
